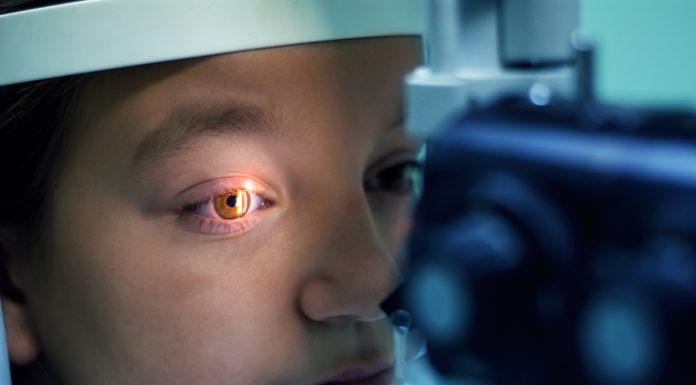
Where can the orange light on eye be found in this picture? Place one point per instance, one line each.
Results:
(233, 205)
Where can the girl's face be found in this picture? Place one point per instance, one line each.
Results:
(228, 220)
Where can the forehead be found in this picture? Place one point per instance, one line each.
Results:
(258, 76)
(318, 88)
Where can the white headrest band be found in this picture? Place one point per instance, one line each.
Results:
(95, 35)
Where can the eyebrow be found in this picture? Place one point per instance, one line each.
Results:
(189, 122)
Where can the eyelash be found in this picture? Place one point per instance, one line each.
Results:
(212, 223)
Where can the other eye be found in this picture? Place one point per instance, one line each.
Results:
(400, 179)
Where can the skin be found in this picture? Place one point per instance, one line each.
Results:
(129, 288)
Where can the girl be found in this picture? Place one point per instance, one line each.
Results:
(218, 219)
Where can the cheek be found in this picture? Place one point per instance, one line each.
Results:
(129, 289)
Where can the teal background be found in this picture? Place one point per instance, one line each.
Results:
(646, 50)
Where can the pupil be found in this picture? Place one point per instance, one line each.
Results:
(232, 201)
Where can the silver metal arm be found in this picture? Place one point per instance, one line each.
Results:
(483, 49)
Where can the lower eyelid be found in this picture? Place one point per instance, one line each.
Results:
(196, 223)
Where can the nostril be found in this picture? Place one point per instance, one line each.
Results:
(324, 300)
(393, 302)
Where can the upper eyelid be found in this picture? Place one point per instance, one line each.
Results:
(209, 198)
(224, 185)
(393, 159)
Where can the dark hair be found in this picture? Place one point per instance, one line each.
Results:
(9, 6)
(32, 133)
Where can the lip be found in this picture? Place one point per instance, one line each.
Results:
(375, 374)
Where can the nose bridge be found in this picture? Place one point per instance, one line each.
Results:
(355, 271)
(355, 231)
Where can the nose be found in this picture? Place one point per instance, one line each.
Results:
(355, 272)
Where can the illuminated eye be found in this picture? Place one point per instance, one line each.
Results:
(233, 205)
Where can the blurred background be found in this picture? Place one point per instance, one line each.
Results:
(646, 50)
(615, 180)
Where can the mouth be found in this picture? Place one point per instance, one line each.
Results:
(377, 374)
